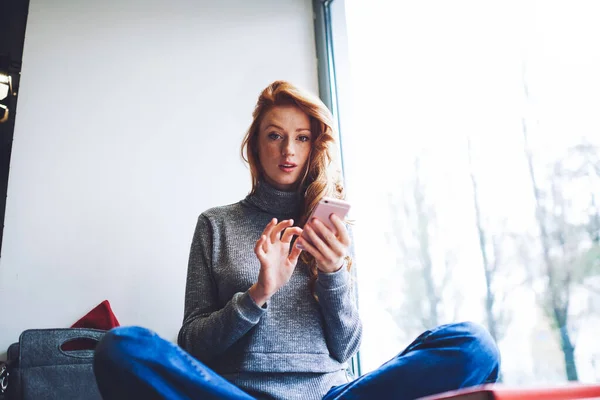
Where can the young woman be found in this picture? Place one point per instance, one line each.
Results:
(264, 319)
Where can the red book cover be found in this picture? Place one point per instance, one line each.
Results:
(499, 392)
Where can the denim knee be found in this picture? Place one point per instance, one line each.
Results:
(480, 346)
(484, 340)
(116, 344)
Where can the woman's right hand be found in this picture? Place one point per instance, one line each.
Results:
(277, 263)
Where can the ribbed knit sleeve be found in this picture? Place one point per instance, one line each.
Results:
(208, 330)
(343, 327)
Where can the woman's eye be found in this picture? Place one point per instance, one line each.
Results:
(303, 138)
(274, 136)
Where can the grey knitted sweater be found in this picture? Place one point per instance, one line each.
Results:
(294, 346)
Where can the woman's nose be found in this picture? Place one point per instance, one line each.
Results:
(288, 148)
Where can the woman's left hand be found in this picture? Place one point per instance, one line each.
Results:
(328, 249)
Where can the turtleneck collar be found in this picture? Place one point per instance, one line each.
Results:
(275, 201)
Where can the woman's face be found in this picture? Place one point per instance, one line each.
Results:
(284, 144)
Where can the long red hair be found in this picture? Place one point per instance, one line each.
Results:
(320, 177)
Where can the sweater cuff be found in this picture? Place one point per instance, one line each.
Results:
(333, 280)
(247, 308)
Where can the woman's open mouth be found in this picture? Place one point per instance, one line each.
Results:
(287, 167)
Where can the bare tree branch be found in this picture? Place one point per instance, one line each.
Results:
(488, 268)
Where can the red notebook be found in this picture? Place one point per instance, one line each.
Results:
(499, 392)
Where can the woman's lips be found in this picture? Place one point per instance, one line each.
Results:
(287, 169)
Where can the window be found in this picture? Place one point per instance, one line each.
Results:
(471, 147)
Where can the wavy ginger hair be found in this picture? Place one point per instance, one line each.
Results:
(318, 179)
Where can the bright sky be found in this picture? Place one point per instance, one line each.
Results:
(425, 76)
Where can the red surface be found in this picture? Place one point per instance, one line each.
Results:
(499, 392)
(100, 317)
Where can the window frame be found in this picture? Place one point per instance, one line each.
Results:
(328, 92)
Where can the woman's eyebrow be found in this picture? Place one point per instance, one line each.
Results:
(280, 128)
(274, 126)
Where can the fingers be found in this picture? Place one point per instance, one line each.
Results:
(342, 231)
(308, 247)
(289, 233)
(258, 247)
(318, 243)
(276, 230)
(272, 233)
(294, 254)
(269, 228)
(329, 239)
(267, 233)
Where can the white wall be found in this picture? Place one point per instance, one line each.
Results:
(130, 118)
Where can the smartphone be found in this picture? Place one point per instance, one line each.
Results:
(326, 207)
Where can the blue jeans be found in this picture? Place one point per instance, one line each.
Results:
(133, 362)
